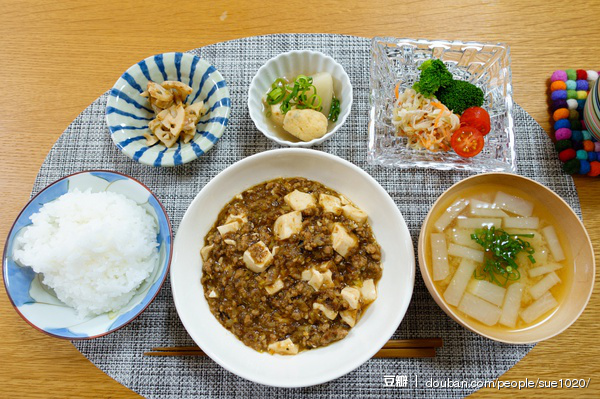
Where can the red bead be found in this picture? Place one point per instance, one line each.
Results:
(567, 154)
(581, 74)
(594, 169)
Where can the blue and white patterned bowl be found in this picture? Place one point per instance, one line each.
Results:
(128, 113)
(38, 305)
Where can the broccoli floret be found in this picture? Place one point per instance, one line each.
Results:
(434, 75)
(460, 95)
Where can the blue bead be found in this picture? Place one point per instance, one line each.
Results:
(559, 95)
(582, 85)
(592, 156)
(582, 155)
(584, 168)
(562, 123)
(576, 135)
(580, 105)
(571, 85)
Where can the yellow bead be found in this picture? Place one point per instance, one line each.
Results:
(581, 94)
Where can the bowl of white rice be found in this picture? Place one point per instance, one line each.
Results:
(87, 255)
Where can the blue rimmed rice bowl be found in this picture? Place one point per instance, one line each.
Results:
(128, 113)
(38, 304)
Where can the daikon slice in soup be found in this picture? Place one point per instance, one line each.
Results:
(497, 257)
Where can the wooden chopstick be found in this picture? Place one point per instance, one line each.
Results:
(403, 348)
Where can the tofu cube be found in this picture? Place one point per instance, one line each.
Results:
(228, 228)
(275, 287)
(241, 219)
(330, 203)
(287, 225)
(329, 313)
(314, 278)
(258, 257)
(299, 201)
(353, 213)
(368, 291)
(285, 347)
(348, 317)
(352, 296)
(343, 241)
(327, 279)
(205, 251)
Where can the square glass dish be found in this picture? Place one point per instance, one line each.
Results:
(486, 65)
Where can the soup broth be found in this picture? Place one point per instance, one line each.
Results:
(464, 272)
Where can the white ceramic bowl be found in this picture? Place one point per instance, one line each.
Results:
(39, 306)
(289, 65)
(318, 365)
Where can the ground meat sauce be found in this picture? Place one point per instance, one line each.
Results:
(237, 296)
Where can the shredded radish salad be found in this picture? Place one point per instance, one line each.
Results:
(427, 123)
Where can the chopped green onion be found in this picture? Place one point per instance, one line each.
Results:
(334, 112)
(295, 95)
(502, 249)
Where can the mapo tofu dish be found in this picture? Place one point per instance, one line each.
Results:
(290, 265)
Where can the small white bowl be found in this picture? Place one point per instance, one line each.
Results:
(289, 65)
(319, 365)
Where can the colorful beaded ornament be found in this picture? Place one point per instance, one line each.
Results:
(577, 148)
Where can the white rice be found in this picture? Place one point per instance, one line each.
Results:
(93, 249)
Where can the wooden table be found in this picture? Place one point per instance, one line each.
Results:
(57, 56)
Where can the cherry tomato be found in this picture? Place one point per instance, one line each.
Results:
(478, 118)
(467, 141)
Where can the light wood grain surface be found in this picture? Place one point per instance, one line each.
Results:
(57, 56)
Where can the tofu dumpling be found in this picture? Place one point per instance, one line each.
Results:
(305, 124)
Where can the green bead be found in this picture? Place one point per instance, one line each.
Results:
(586, 135)
(571, 74)
(572, 166)
(575, 125)
(563, 145)
(573, 115)
(571, 94)
(581, 154)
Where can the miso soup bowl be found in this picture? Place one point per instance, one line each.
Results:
(578, 244)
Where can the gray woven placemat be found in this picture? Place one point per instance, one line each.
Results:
(465, 356)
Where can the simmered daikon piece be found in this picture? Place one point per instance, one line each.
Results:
(552, 239)
(477, 223)
(544, 285)
(463, 237)
(545, 269)
(451, 213)
(465, 252)
(458, 284)
(488, 291)
(479, 309)
(485, 209)
(534, 311)
(512, 304)
(439, 256)
(521, 223)
(513, 204)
